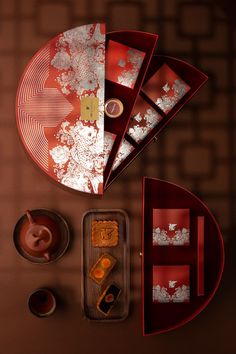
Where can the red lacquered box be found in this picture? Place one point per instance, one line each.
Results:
(64, 91)
(168, 85)
(178, 281)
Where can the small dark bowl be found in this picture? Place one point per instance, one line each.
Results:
(42, 302)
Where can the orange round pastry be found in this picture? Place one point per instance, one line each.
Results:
(106, 263)
(98, 273)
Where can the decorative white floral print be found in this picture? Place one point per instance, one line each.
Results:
(161, 238)
(142, 123)
(78, 157)
(60, 154)
(165, 88)
(80, 53)
(161, 294)
(109, 139)
(125, 149)
(173, 94)
(129, 76)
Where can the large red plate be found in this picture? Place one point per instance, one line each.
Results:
(48, 108)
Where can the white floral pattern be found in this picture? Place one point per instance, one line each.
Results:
(175, 92)
(109, 139)
(60, 154)
(161, 294)
(79, 53)
(129, 76)
(78, 156)
(125, 149)
(142, 123)
(166, 88)
(161, 237)
(84, 157)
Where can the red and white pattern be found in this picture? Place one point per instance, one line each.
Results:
(36, 107)
(165, 88)
(70, 67)
(171, 284)
(124, 150)
(170, 227)
(123, 64)
(143, 119)
(109, 140)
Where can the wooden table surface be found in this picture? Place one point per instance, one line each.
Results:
(196, 151)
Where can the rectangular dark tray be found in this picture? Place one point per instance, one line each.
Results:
(120, 275)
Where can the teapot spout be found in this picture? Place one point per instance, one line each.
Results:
(30, 218)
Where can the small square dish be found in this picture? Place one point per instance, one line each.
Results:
(165, 88)
(143, 119)
(104, 264)
(171, 284)
(109, 140)
(125, 149)
(123, 63)
(171, 227)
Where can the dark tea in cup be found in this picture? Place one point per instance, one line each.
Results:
(42, 302)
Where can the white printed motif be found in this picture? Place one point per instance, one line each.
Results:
(69, 67)
(172, 227)
(125, 149)
(78, 156)
(161, 294)
(161, 237)
(141, 124)
(80, 53)
(109, 139)
(128, 77)
(173, 94)
(166, 88)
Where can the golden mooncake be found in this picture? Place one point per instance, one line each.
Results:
(105, 233)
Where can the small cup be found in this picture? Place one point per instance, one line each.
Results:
(42, 303)
(114, 108)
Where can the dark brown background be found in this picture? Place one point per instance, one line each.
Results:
(197, 150)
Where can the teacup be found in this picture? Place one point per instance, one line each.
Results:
(42, 302)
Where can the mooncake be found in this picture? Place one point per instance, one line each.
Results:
(102, 268)
(105, 233)
(108, 299)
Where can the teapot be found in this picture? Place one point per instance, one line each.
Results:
(39, 235)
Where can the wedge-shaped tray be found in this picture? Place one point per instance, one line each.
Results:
(120, 274)
(174, 82)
